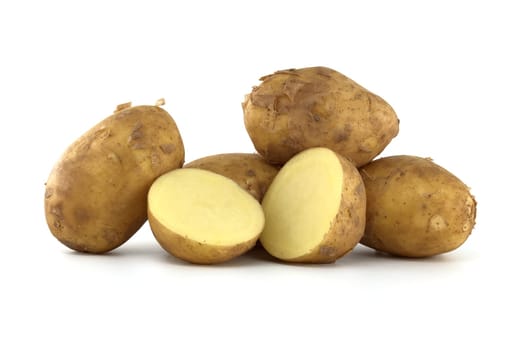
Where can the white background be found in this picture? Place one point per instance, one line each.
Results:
(455, 73)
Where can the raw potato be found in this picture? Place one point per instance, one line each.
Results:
(250, 171)
(203, 217)
(314, 208)
(295, 109)
(96, 194)
(415, 208)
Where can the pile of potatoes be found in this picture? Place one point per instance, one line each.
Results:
(310, 195)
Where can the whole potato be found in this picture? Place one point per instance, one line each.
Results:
(96, 195)
(248, 170)
(295, 109)
(415, 208)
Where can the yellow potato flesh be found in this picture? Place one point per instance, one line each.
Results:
(205, 207)
(301, 203)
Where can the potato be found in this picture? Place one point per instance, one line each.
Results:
(96, 195)
(295, 109)
(415, 208)
(314, 208)
(203, 217)
(250, 171)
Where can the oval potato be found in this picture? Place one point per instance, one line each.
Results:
(96, 194)
(415, 208)
(295, 109)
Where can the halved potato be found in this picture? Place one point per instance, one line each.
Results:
(202, 217)
(314, 208)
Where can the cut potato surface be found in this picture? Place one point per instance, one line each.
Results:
(314, 208)
(203, 217)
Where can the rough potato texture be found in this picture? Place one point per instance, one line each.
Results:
(96, 195)
(250, 171)
(295, 109)
(415, 208)
(348, 226)
(193, 251)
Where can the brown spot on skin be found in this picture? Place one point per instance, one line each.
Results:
(81, 215)
(110, 235)
(136, 132)
(291, 87)
(114, 157)
(364, 148)
(250, 173)
(290, 71)
(57, 211)
(369, 104)
(360, 188)
(155, 159)
(356, 221)
(265, 101)
(138, 146)
(323, 73)
(316, 118)
(262, 188)
(291, 143)
(327, 250)
(248, 187)
(58, 224)
(281, 104)
(83, 147)
(340, 136)
(167, 148)
(102, 134)
(49, 192)
(136, 136)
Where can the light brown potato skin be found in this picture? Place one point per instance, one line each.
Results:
(250, 171)
(415, 208)
(96, 195)
(295, 109)
(193, 251)
(349, 224)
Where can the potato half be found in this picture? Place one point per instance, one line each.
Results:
(248, 170)
(295, 109)
(203, 217)
(415, 208)
(314, 208)
(95, 197)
